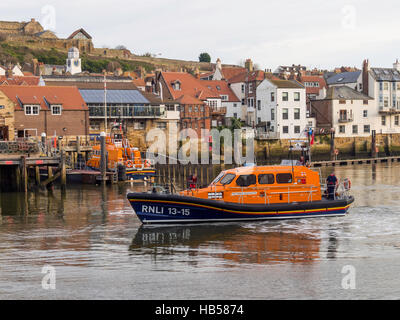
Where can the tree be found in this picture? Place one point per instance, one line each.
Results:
(204, 57)
(120, 47)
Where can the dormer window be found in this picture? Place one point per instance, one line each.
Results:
(176, 85)
(56, 110)
(31, 110)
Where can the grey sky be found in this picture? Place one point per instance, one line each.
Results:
(314, 33)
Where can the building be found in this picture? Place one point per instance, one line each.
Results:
(383, 85)
(351, 79)
(21, 81)
(55, 111)
(281, 109)
(350, 113)
(222, 72)
(313, 85)
(74, 64)
(285, 72)
(230, 103)
(194, 99)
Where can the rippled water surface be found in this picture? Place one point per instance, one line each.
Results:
(99, 249)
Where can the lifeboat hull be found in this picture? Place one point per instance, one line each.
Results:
(152, 208)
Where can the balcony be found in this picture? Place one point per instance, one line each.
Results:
(96, 112)
(386, 110)
(345, 119)
(218, 111)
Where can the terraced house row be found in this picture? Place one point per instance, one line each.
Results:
(283, 104)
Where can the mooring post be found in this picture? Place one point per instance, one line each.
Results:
(63, 171)
(24, 174)
(103, 157)
(373, 144)
(37, 175)
(333, 155)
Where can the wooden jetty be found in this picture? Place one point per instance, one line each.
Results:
(346, 162)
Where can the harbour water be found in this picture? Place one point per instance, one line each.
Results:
(98, 249)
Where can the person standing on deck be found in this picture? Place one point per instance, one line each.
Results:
(331, 183)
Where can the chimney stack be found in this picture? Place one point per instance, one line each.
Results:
(249, 65)
(365, 77)
(396, 65)
(219, 65)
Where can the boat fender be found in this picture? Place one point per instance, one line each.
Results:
(147, 164)
(347, 184)
(129, 164)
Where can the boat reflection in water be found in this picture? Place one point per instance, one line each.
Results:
(235, 244)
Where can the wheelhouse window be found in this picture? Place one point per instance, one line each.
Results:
(218, 178)
(31, 110)
(284, 178)
(246, 180)
(266, 178)
(227, 179)
(56, 110)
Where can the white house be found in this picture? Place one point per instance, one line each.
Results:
(229, 103)
(350, 113)
(281, 106)
(383, 85)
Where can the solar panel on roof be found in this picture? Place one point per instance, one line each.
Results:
(113, 96)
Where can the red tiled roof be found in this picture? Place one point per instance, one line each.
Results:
(313, 90)
(189, 86)
(221, 88)
(139, 82)
(230, 72)
(69, 97)
(19, 81)
(240, 77)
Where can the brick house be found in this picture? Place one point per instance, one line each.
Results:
(194, 98)
(56, 111)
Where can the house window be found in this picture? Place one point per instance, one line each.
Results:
(272, 96)
(296, 113)
(196, 109)
(139, 125)
(258, 120)
(365, 102)
(396, 120)
(381, 86)
(161, 125)
(272, 114)
(177, 85)
(383, 120)
(202, 109)
(342, 101)
(342, 129)
(365, 113)
(242, 88)
(190, 108)
(235, 115)
(355, 129)
(385, 86)
(285, 96)
(250, 87)
(31, 110)
(259, 104)
(2, 107)
(243, 103)
(398, 85)
(297, 96)
(56, 110)
(367, 128)
(285, 113)
(285, 129)
(224, 97)
(386, 101)
(296, 129)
